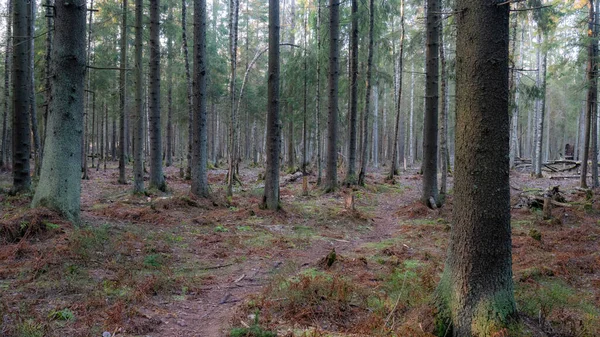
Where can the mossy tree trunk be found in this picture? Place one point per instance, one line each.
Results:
(475, 296)
(60, 184)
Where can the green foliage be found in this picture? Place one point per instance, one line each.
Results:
(62, 315)
(153, 260)
(253, 331)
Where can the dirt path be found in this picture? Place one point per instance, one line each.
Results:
(210, 313)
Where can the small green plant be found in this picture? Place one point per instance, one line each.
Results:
(62, 315)
(221, 229)
(51, 225)
(253, 331)
(153, 260)
(535, 234)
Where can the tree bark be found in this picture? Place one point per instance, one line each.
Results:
(123, 99)
(169, 150)
(157, 179)
(7, 64)
(189, 88)
(318, 95)
(59, 187)
(234, 6)
(443, 156)
(200, 134)
(541, 105)
(399, 123)
(138, 134)
(33, 107)
(592, 94)
(271, 196)
(365, 121)
(332, 127)
(475, 294)
(351, 168)
(21, 98)
(430, 123)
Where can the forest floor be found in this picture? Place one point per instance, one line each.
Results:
(169, 264)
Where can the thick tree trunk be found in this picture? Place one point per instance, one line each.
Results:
(430, 124)
(157, 179)
(21, 99)
(332, 127)
(351, 168)
(271, 197)
(200, 134)
(7, 64)
(475, 294)
(365, 122)
(138, 134)
(189, 88)
(59, 187)
(123, 99)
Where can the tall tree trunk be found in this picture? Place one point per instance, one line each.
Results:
(189, 87)
(318, 95)
(47, 73)
(113, 148)
(514, 144)
(234, 6)
(475, 294)
(271, 197)
(21, 98)
(443, 156)
(59, 187)
(430, 123)
(33, 107)
(200, 134)
(87, 98)
(305, 112)
(169, 150)
(542, 58)
(397, 124)
(123, 99)
(594, 118)
(592, 93)
(138, 134)
(353, 113)
(375, 127)
(157, 179)
(411, 121)
(334, 73)
(365, 122)
(7, 64)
